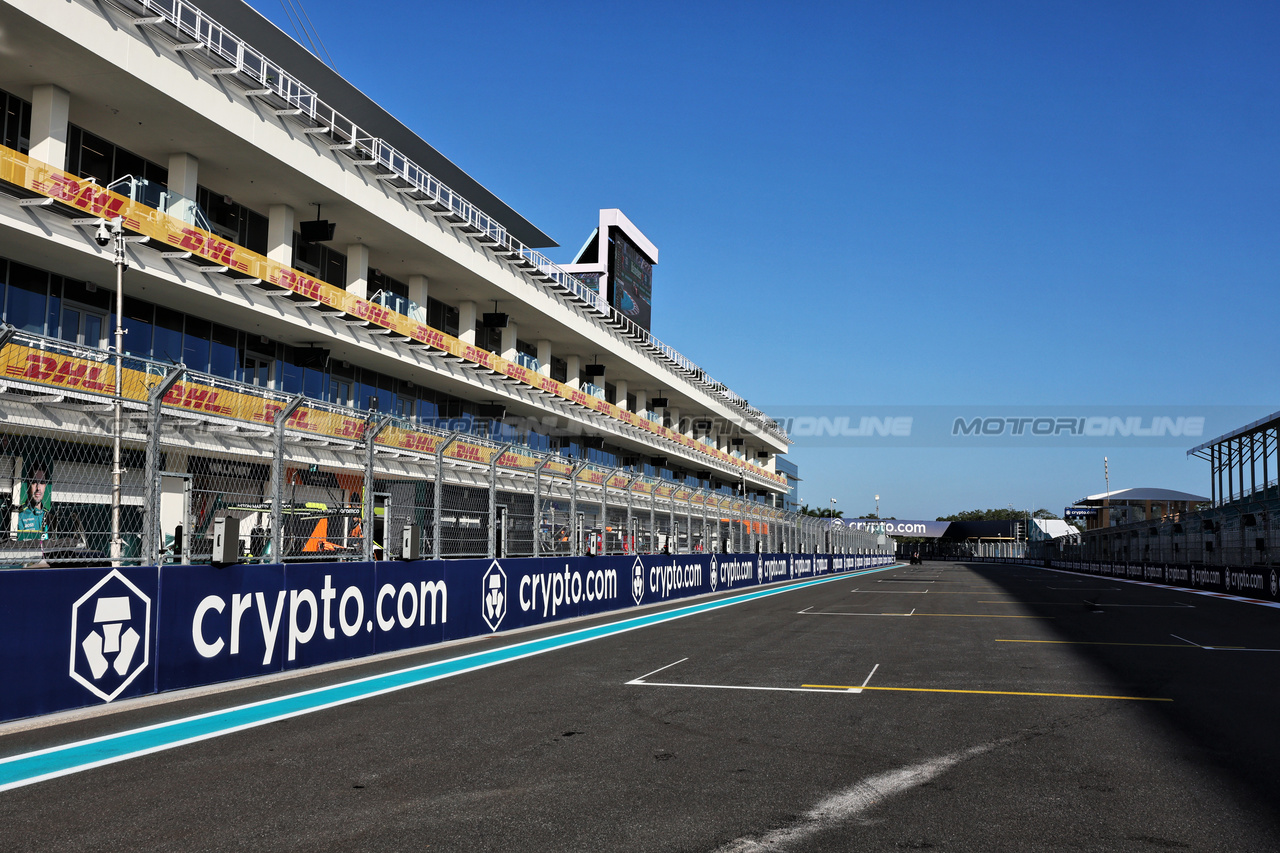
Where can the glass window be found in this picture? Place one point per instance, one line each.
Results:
(195, 344)
(167, 342)
(137, 327)
(258, 370)
(95, 157)
(28, 293)
(83, 325)
(222, 355)
(339, 391)
(254, 236)
(128, 163)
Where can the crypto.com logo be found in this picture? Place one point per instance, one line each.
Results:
(493, 592)
(110, 636)
(637, 581)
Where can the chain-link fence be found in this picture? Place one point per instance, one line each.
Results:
(191, 468)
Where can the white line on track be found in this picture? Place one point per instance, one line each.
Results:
(854, 802)
(1220, 648)
(806, 612)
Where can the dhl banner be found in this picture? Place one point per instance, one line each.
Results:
(57, 369)
(19, 169)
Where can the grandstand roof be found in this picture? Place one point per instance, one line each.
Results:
(247, 23)
(1142, 494)
(1269, 421)
(1056, 528)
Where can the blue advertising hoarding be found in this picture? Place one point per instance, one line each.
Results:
(78, 637)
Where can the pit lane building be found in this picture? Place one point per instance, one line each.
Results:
(283, 232)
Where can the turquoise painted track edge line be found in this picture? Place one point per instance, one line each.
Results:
(50, 763)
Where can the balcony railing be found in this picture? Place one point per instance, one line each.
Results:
(231, 56)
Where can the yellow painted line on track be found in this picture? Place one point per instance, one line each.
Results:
(986, 616)
(988, 692)
(1092, 643)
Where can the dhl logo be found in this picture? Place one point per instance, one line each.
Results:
(87, 197)
(196, 398)
(374, 313)
(67, 372)
(467, 452)
(428, 335)
(593, 477)
(417, 441)
(216, 250)
(479, 356)
(298, 283)
(518, 371)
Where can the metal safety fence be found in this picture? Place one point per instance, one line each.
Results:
(121, 460)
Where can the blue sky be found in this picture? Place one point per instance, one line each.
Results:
(893, 205)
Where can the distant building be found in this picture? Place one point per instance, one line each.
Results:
(791, 498)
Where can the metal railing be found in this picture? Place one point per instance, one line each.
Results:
(232, 55)
(295, 479)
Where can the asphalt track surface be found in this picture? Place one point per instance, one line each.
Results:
(951, 707)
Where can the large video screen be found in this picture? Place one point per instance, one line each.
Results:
(630, 280)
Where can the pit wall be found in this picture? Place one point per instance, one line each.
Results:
(72, 638)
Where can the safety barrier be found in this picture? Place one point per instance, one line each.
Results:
(79, 637)
(1254, 583)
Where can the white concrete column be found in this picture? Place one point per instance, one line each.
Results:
(50, 109)
(507, 347)
(418, 290)
(358, 270)
(642, 400)
(280, 227)
(674, 414)
(620, 392)
(574, 371)
(183, 174)
(544, 357)
(467, 322)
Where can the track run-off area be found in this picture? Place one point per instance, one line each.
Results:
(949, 706)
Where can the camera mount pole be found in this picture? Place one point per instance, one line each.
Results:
(121, 262)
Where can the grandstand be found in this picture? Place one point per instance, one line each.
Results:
(1233, 526)
(305, 279)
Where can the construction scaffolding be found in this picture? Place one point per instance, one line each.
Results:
(287, 479)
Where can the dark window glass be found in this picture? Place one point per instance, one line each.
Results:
(55, 304)
(195, 344)
(156, 174)
(128, 163)
(95, 158)
(167, 338)
(78, 291)
(335, 268)
(222, 357)
(28, 294)
(73, 150)
(559, 369)
(313, 383)
(255, 232)
(137, 327)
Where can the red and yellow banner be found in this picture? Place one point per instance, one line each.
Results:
(17, 168)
